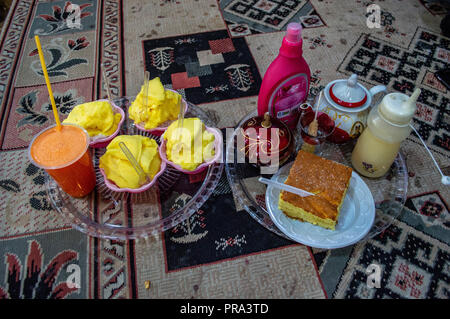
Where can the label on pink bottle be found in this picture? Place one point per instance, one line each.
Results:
(287, 98)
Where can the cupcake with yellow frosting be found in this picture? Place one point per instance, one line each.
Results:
(119, 173)
(101, 119)
(191, 147)
(155, 107)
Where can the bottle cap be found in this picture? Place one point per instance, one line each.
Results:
(294, 32)
(399, 108)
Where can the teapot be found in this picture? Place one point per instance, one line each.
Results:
(347, 102)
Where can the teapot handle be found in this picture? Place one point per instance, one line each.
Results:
(377, 89)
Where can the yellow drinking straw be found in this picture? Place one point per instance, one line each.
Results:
(47, 81)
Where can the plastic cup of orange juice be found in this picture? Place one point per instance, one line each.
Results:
(64, 155)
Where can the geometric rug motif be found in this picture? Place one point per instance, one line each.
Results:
(261, 16)
(218, 231)
(208, 67)
(436, 7)
(404, 69)
(413, 255)
(12, 46)
(111, 262)
(431, 214)
(413, 266)
(112, 269)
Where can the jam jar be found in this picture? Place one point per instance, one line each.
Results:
(265, 140)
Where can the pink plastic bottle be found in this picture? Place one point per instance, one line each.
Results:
(286, 83)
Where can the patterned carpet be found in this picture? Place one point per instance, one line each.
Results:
(256, 16)
(215, 53)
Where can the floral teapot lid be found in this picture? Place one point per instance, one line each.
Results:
(348, 95)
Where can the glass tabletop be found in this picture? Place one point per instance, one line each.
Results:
(108, 214)
(389, 192)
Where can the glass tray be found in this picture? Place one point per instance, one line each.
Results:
(108, 214)
(389, 192)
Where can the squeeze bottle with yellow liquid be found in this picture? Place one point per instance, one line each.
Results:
(388, 125)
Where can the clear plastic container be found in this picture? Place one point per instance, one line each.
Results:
(76, 175)
(113, 215)
(389, 192)
(388, 125)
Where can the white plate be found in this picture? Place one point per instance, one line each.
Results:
(355, 219)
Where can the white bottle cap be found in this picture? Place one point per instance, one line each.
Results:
(294, 32)
(398, 108)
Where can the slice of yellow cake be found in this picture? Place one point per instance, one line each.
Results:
(327, 179)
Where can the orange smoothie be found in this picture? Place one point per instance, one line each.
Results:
(65, 156)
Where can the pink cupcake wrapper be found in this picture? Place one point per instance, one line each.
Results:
(160, 130)
(104, 141)
(112, 186)
(218, 145)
